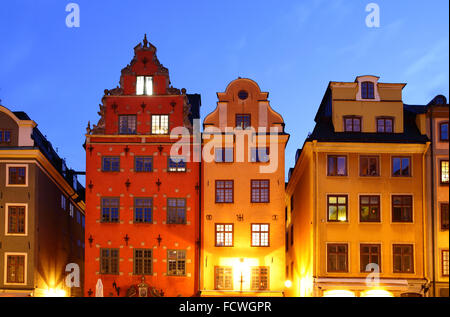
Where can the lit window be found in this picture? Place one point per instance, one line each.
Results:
(176, 262)
(15, 269)
(160, 124)
(369, 166)
(127, 124)
(144, 85)
(367, 90)
(444, 172)
(445, 262)
(369, 207)
(224, 235)
(223, 277)
(260, 278)
(337, 208)
(260, 235)
(16, 220)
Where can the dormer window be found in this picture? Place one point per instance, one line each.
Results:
(5, 136)
(144, 85)
(352, 124)
(367, 90)
(385, 125)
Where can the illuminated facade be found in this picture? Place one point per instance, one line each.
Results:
(356, 198)
(242, 220)
(41, 214)
(142, 199)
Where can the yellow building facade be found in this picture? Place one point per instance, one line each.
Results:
(356, 222)
(242, 221)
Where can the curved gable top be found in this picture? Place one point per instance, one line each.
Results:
(243, 96)
(20, 123)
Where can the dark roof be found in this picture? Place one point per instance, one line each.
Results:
(324, 131)
(195, 102)
(21, 115)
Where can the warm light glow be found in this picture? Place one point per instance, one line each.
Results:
(288, 283)
(241, 270)
(52, 292)
(376, 293)
(338, 293)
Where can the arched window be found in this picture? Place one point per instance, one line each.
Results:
(367, 90)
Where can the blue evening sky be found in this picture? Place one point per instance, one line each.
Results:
(292, 49)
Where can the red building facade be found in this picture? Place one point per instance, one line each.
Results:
(142, 201)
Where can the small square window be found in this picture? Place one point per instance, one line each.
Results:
(243, 121)
(385, 125)
(352, 124)
(369, 207)
(443, 132)
(127, 124)
(111, 164)
(401, 166)
(160, 124)
(337, 165)
(369, 166)
(402, 208)
(177, 164)
(224, 155)
(143, 164)
(337, 258)
(17, 175)
(337, 208)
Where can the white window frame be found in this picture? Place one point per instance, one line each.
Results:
(158, 129)
(147, 86)
(7, 175)
(6, 219)
(5, 262)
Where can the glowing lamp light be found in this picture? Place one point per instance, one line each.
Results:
(376, 293)
(52, 292)
(288, 284)
(338, 293)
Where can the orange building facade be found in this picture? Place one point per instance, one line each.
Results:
(142, 197)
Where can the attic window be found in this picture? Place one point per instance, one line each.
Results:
(243, 94)
(367, 90)
(144, 85)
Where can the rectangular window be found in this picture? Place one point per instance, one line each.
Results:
(401, 166)
(224, 191)
(143, 164)
(443, 132)
(402, 209)
(260, 278)
(143, 262)
(403, 258)
(243, 121)
(260, 191)
(177, 164)
(78, 217)
(259, 155)
(71, 210)
(160, 124)
(63, 202)
(260, 235)
(223, 277)
(385, 125)
(143, 210)
(224, 235)
(369, 166)
(444, 172)
(224, 155)
(176, 262)
(109, 261)
(17, 175)
(5, 136)
(176, 211)
(110, 164)
(369, 208)
(16, 219)
(127, 124)
(110, 210)
(337, 258)
(444, 216)
(352, 124)
(370, 254)
(337, 165)
(337, 208)
(144, 85)
(367, 90)
(444, 262)
(15, 269)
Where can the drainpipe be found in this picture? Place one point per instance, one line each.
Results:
(432, 176)
(200, 216)
(316, 213)
(424, 214)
